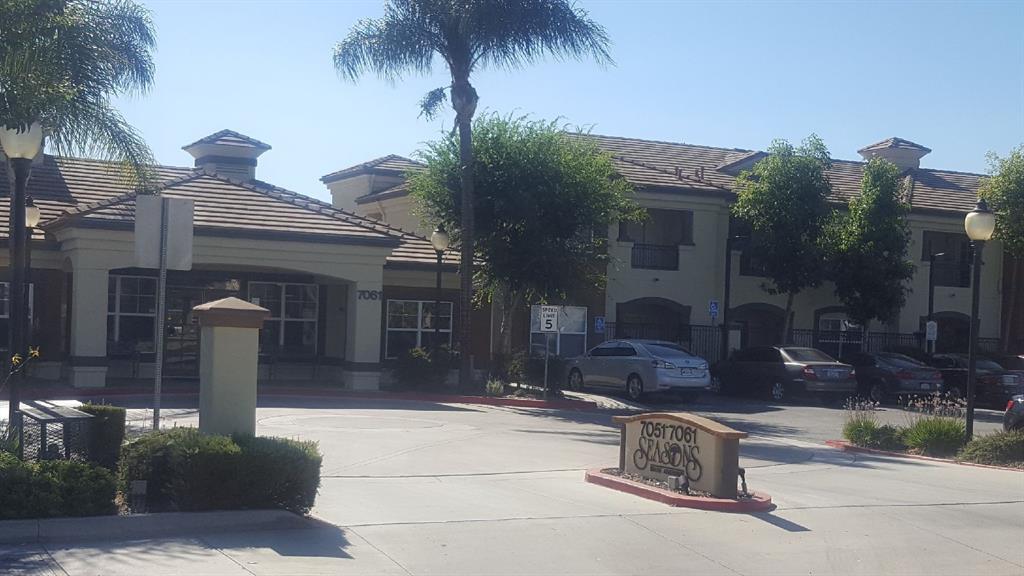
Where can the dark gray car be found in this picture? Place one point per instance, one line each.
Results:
(884, 375)
(779, 373)
(1013, 418)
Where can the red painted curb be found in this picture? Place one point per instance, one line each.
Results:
(42, 394)
(847, 447)
(758, 503)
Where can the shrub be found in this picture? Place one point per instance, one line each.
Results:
(84, 489)
(935, 435)
(106, 433)
(495, 387)
(187, 470)
(25, 493)
(870, 434)
(525, 369)
(422, 368)
(1000, 448)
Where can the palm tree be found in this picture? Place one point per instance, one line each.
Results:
(61, 61)
(467, 35)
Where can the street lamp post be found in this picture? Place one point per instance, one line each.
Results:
(32, 217)
(980, 223)
(729, 243)
(931, 291)
(439, 240)
(21, 145)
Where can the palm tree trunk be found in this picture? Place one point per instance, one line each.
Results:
(464, 101)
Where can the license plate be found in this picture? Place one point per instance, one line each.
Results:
(691, 372)
(833, 374)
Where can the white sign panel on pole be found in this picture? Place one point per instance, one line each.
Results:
(147, 232)
(713, 308)
(549, 318)
(931, 331)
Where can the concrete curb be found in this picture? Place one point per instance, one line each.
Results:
(143, 526)
(562, 404)
(847, 447)
(757, 503)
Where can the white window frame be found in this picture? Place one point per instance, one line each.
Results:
(117, 314)
(419, 329)
(283, 318)
(561, 330)
(5, 314)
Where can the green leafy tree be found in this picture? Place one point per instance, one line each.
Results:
(61, 61)
(468, 35)
(1004, 192)
(545, 202)
(867, 247)
(783, 199)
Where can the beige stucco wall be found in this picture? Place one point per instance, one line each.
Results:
(401, 212)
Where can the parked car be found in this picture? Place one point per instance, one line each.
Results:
(782, 372)
(883, 375)
(638, 367)
(1013, 418)
(994, 385)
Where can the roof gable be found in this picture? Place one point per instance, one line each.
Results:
(391, 164)
(230, 138)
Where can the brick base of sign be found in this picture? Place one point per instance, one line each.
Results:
(756, 503)
(847, 447)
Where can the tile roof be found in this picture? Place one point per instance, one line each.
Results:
(390, 164)
(895, 143)
(230, 138)
(396, 191)
(71, 188)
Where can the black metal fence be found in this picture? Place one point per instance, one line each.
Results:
(48, 432)
(655, 257)
(706, 341)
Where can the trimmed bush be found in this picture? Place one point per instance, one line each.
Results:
(106, 433)
(424, 369)
(84, 489)
(935, 435)
(186, 470)
(999, 449)
(869, 434)
(54, 488)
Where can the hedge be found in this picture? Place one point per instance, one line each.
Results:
(106, 433)
(999, 448)
(186, 470)
(54, 488)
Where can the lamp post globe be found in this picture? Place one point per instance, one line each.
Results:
(22, 142)
(439, 239)
(980, 223)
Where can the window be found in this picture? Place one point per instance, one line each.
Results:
(808, 355)
(661, 228)
(953, 268)
(411, 324)
(570, 340)
(291, 329)
(5, 311)
(131, 314)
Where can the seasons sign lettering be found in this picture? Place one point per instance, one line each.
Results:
(662, 445)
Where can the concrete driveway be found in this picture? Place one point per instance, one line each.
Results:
(423, 488)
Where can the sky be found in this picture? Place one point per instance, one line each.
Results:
(948, 75)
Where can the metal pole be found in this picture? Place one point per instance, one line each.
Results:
(547, 354)
(16, 298)
(437, 304)
(972, 357)
(158, 370)
(724, 351)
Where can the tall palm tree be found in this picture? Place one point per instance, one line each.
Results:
(467, 35)
(61, 61)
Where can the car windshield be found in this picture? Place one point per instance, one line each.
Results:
(667, 349)
(807, 355)
(901, 361)
(986, 364)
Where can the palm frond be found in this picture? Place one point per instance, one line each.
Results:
(432, 102)
(399, 42)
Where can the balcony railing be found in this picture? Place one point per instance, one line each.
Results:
(655, 256)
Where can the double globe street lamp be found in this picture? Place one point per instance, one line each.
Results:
(21, 145)
(980, 223)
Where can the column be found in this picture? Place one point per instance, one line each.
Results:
(88, 361)
(362, 342)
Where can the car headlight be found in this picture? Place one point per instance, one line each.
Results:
(658, 363)
(703, 366)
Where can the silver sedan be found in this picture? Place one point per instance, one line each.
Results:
(638, 367)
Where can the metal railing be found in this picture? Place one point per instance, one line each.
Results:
(655, 256)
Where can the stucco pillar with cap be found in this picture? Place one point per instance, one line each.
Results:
(228, 358)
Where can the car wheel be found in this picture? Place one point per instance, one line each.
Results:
(877, 392)
(777, 391)
(634, 387)
(716, 385)
(575, 380)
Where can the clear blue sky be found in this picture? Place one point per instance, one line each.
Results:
(947, 75)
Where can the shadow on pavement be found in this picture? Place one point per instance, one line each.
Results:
(323, 541)
(780, 522)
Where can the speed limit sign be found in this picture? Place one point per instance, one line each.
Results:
(549, 318)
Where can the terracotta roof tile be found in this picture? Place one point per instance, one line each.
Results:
(392, 163)
(230, 138)
(895, 143)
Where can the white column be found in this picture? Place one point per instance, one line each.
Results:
(362, 343)
(88, 327)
